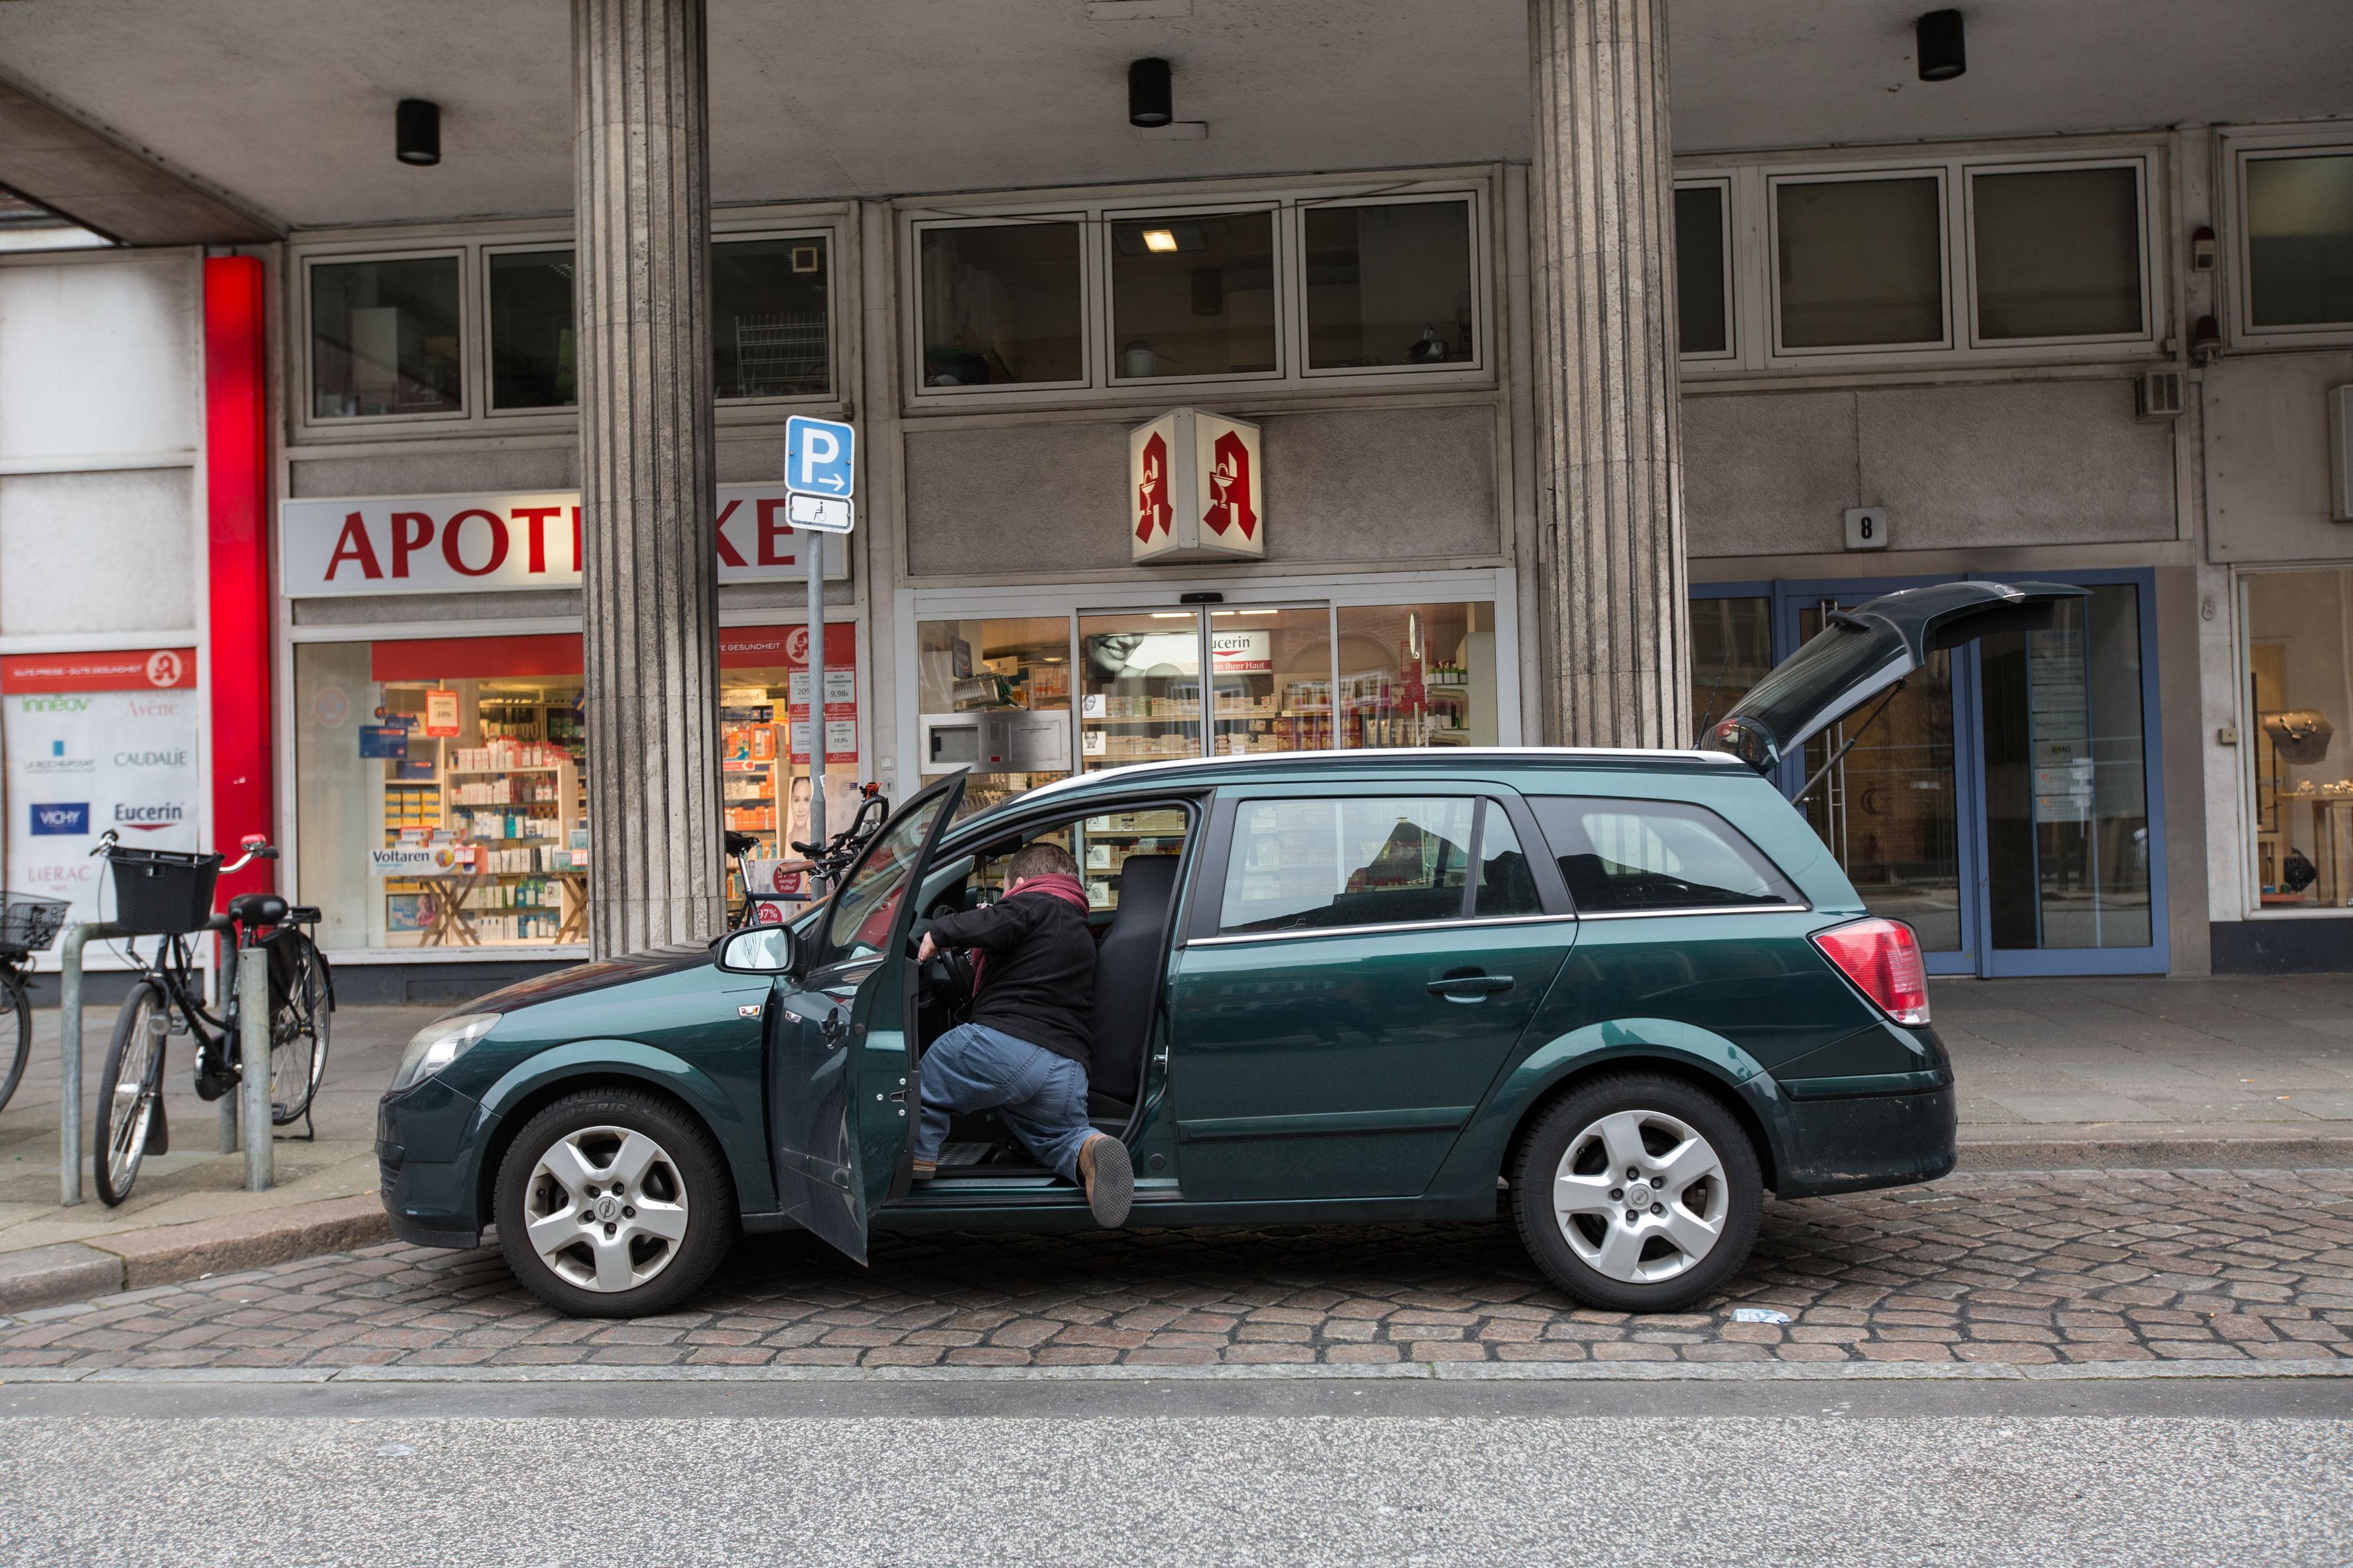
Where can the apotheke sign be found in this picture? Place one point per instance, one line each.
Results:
(478, 544)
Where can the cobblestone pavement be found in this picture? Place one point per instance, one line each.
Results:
(2077, 1267)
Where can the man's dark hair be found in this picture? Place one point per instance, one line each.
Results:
(1039, 859)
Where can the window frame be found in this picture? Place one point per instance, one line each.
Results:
(1721, 182)
(836, 364)
(1773, 182)
(1752, 229)
(1104, 258)
(1207, 912)
(1095, 208)
(2243, 714)
(1296, 318)
(489, 350)
(2139, 168)
(470, 375)
(2239, 148)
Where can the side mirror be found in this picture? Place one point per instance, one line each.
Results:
(757, 949)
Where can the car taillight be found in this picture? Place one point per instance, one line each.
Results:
(1883, 958)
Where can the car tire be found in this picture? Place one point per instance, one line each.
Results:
(1695, 1201)
(614, 1204)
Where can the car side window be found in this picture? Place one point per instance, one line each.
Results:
(1628, 856)
(1507, 887)
(1311, 864)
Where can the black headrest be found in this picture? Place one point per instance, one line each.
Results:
(1146, 881)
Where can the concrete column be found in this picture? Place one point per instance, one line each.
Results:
(1609, 490)
(647, 471)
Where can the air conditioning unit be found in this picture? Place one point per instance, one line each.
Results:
(2340, 453)
(2156, 395)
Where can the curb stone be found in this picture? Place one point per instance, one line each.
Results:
(1422, 1372)
(171, 1254)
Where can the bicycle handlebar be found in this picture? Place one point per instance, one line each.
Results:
(256, 849)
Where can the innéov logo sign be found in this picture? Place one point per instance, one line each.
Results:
(61, 820)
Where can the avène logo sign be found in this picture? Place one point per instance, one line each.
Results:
(444, 544)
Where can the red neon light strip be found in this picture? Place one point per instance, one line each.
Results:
(237, 524)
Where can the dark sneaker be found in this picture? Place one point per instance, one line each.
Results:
(1110, 1180)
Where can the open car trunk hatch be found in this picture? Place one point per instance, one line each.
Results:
(1863, 651)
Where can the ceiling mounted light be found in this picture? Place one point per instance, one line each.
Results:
(416, 131)
(1942, 52)
(1150, 100)
(1159, 239)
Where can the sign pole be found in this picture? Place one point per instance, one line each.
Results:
(815, 544)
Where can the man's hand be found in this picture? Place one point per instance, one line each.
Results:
(923, 953)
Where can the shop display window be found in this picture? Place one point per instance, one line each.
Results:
(2057, 252)
(1002, 304)
(1101, 845)
(1194, 296)
(384, 338)
(1860, 262)
(2298, 736)
(970, 666)
(441, 791)
(1388, 283)
(1703, 303)
(764, 735)
(533, 362)
(2299, 220)
(1414, 675)
(771, 318)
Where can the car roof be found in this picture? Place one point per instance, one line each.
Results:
(1183, 770)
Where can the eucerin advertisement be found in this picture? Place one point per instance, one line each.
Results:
(93, 741)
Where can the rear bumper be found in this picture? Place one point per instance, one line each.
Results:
(1848, 1143)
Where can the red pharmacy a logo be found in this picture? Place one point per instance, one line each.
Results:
(1153, 510)
(1230, 487)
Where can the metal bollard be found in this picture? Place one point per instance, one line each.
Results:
(253, 1047)
(77, 937)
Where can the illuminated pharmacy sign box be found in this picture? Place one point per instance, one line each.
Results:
(1195, 490)
(445, 544)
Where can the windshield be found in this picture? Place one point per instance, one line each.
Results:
(867, 904)
(1839, 666)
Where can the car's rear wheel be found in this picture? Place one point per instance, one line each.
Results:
(1638, 1193)
(614, 1204)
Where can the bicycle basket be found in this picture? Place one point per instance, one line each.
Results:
(162, 892)
(30, 921)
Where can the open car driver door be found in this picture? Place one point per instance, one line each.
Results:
(842, 1089)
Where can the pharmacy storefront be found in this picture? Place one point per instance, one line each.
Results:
(439, 805)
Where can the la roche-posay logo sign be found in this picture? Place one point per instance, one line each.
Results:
(57, 759)
(61, 820)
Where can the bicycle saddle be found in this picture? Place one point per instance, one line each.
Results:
(256, 909)
(741, 843)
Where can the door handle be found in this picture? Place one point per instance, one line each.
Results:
(1470, 987)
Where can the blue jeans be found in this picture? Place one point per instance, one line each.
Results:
(1042, 1097)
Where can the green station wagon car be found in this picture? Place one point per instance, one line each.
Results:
(1623, 994)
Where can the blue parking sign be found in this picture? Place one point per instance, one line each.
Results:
(819, 457)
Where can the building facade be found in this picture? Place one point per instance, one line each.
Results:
(2103, 357)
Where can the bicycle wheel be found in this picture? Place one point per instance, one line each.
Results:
(131, 1090)
(16, 1037)
(298, 1032)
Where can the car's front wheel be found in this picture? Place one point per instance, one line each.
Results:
(1638, 1193)
(614, 1204)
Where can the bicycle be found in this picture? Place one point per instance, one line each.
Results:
(28, 924)
(833, 861)
(169, 894)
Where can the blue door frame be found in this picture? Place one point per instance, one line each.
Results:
(1977, 955)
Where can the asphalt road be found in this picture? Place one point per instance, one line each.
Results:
(2145, 1473)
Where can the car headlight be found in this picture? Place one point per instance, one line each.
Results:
(437, 1044)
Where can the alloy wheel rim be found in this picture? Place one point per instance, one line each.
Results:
(1641, 1196)
(606, 1209)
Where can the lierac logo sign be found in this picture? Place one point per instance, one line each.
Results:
(474, 543)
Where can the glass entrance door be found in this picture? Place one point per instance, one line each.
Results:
(2005, 804)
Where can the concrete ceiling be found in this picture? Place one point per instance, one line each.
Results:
(286, 105)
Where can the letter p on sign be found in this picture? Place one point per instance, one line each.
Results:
(820, 457)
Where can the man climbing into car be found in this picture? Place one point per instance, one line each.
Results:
(1026, 1051)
